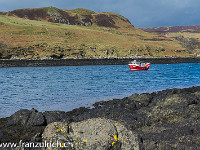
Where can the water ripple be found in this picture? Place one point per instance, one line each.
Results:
(69, 87)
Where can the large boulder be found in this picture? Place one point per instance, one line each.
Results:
(27, 118)
(52, 116)
(32, 117)
(91, 134)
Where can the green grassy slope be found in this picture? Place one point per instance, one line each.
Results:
(31, 39)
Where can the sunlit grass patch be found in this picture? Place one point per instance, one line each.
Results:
(68, 40)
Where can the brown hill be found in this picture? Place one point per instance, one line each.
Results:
(191, 29)
(49, 32)
(73, 17)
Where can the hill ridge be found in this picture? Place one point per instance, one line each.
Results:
(168, 29)
(52, 33)
(78, 16)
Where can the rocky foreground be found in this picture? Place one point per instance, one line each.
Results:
(168, 119)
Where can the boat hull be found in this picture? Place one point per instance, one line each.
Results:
(135, 68)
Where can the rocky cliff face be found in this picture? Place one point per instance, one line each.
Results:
(45, 14)
(72, 17)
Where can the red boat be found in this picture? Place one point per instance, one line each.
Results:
(136, 65)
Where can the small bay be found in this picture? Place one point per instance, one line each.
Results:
(68, 87)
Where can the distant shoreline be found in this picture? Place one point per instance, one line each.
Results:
(85, 62)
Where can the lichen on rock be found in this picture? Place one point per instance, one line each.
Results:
(91, 134)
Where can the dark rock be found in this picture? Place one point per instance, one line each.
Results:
(36, 119)
(53, 116)
(111, 61)
(20, 116)
(27, 118)
(78, 111)
(2, 133)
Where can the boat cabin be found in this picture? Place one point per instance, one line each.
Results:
(137, 63)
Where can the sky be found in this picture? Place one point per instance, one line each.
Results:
(141, 13)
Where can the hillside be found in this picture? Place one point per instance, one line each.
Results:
(191, 29)
(187, 35)
(77, 16)
(46, 33)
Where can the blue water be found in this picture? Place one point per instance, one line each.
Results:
(68, 87)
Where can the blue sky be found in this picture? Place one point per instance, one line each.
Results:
(141, 13)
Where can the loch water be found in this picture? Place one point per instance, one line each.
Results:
(68, 87)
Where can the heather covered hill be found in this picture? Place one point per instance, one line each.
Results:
(191, 29)
(188, 36)
(77, 16)
(49, 32)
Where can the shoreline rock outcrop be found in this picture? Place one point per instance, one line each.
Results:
(168, 119)
(96, 133)
(85, 62)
